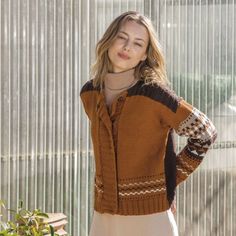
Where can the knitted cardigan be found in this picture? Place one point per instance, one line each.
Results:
(138, 170)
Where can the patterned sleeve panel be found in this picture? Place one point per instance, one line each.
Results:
(201, 134)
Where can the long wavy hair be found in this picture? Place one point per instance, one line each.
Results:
(152, 70)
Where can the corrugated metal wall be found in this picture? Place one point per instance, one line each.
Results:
(46, 153)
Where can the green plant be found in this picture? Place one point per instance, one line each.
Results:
(26, 223)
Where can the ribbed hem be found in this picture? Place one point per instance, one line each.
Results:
(150, 205)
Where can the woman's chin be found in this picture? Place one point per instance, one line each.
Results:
(122, 68)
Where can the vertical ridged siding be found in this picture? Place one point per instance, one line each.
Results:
(46, 154)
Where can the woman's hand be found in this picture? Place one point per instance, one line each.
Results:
(173, 207)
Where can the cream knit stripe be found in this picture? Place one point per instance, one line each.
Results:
(141, 183)
(143, 192)
(161, 180)
(98, 182)
(98, 189)
(183, 169)
(122, 193)
(185, 164)
(186, 173)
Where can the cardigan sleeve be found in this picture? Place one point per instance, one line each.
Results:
(188, 121)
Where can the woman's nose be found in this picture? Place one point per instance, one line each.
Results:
(127, 46)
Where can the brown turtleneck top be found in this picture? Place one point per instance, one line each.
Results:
(117, 81)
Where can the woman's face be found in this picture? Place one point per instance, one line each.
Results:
(129, 47)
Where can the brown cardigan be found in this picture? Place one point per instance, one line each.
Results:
(137, 170)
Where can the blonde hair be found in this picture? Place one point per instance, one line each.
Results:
(151, 70)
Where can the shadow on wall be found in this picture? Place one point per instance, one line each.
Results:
(206, 203)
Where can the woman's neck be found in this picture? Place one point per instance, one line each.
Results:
(118, 80)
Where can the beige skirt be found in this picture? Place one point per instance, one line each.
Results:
(157, 224)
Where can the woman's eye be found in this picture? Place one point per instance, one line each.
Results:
(121, 37)
(138, 44)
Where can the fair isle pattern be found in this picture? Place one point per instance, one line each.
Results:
(184, 166)
(98, 181)
(141, 183)
(154, 190)
(197, 126)
(142, 188)
(200, 130)
(98, 185)
(183, 172)
(99, 189)
(137, 188)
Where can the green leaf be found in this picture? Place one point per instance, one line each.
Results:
(28, 223)
(12, 225)
(4, 225)
(20, 219)
(42, 215)
(25, 213)
(3, 232)
(51, 230)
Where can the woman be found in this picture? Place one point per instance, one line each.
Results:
(133, 114)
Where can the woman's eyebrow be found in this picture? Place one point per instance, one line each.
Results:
(128, 35)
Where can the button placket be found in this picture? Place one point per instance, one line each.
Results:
(121, 99)
(116, 108)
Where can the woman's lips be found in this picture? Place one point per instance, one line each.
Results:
(123, 56)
